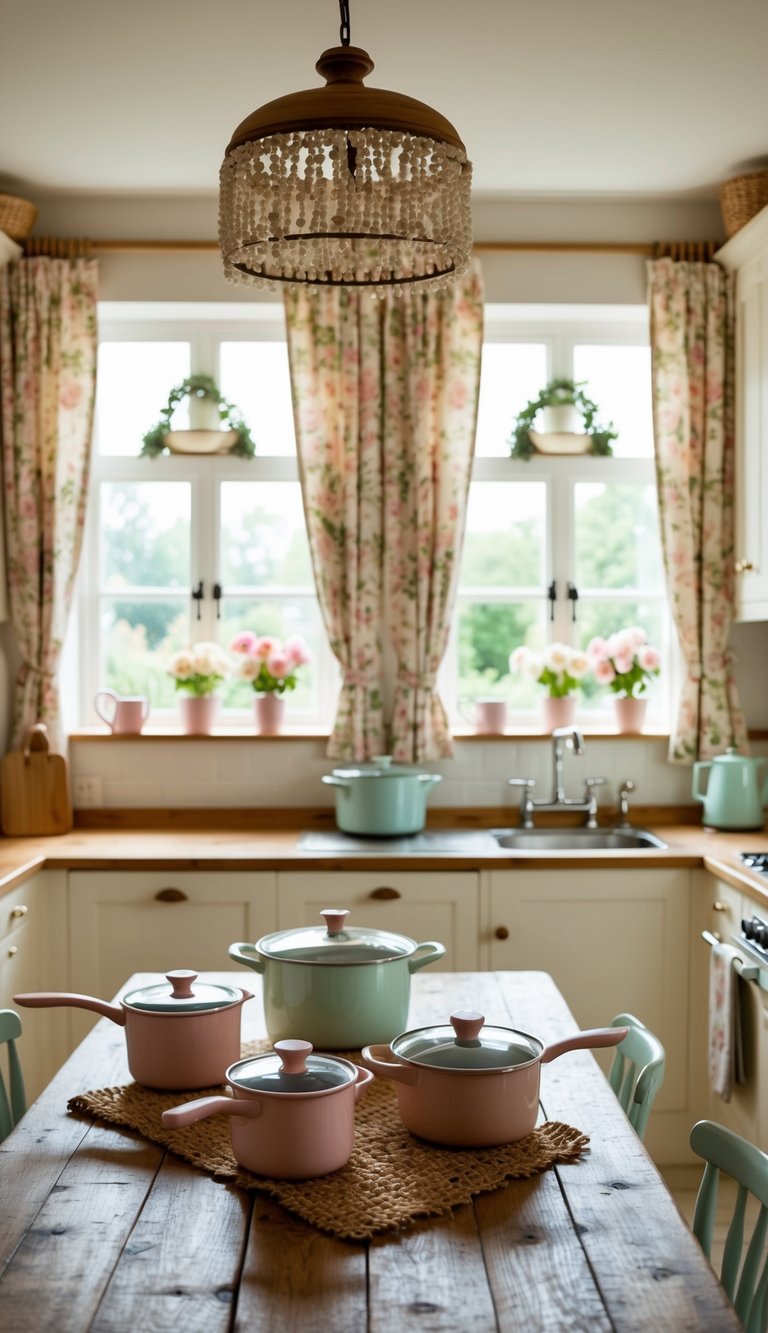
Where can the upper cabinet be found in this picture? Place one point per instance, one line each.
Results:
(746, 255)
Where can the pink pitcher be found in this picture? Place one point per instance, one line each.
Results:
(127, 715)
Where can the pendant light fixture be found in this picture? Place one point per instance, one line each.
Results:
(345, 186)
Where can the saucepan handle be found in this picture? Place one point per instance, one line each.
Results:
(364, 1077)
(330, 781)
(203, 1107)
(588, 1040)
(50, 999)
(428, 952)
(246, 953)
(381, 1060)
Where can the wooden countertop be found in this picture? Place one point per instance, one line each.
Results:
(226, 847)
(101, 1228)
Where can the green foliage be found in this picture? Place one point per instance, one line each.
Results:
(266, 683)
(199, 386)
(558, 683)
(561, 393)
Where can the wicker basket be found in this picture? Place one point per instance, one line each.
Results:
(17, 216)
(741, 198)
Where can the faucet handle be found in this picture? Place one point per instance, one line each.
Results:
(589, 783)
(590, 786)
(526, 800)
(625, 789)
(521, 782)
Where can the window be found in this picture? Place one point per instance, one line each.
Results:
(540, 529)
(161, 528)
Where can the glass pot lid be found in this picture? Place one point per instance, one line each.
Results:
(468, 1044)
(381, 766)
(335, 943)
(292, 1068)
(177, 994)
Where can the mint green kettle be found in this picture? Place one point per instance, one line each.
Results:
(736, 790)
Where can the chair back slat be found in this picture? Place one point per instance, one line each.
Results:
(727, 1153)
(637, 1070)
(13, 1101)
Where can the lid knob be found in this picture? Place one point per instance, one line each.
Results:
(466, 1024)
(181, 983)
(335, 918)
(293, 1055)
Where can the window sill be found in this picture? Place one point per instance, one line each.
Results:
(319, 734)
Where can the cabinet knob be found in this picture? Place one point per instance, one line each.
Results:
(719, 907)
(170, 896)
(501, 933)
(385, 893)
(743, 566)
(13, 949)
(717, 936)
(21, 910)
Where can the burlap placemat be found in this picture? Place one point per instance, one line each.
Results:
(391, 1179)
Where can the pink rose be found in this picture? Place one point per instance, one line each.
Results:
(278, 665)
(648, 658)
(597, 650)
(623, 662)
(243, 643)
(603, 672)
(263, 647)
(296, 651)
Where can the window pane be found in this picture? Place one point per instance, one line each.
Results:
(504, 543)
(263, 536)
(133, 384)
(618, 379)
(254, 376)
(512, 374)
(137, 638)
(282, 617)
(145, 535)
(487, 633)
(617, 538)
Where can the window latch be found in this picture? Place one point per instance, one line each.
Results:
(552, 598)
(218, 593)
(197, 596)
(573, 597)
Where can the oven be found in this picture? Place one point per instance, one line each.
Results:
(747, 931)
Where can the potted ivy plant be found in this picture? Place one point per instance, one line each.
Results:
(224, 430)
(568, 422)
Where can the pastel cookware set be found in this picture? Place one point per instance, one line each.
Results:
(381, 799)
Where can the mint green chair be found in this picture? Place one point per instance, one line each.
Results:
(723, 1150)
(13, 1103)
(637, 1071)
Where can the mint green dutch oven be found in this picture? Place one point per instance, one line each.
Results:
(381, 799)
(340, 988)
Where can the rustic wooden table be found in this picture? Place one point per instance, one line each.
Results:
(101, 1230)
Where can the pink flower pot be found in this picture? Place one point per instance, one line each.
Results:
(269, 709)
(630, 715)
(559, 712)
(198, 714)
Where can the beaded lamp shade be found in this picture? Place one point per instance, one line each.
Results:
(345, 186)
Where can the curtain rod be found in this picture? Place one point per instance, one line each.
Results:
(677, 250)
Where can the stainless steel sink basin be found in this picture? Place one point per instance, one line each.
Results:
(575, 839)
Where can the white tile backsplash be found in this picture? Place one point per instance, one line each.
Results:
(229, 773)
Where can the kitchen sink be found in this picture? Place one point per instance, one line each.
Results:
(575, 839)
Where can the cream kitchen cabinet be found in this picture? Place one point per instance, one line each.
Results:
(155, 920)
(615, 941)
(426, 905)
(746, 255)
(33, 957)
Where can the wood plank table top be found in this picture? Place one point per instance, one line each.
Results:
(102, 1230)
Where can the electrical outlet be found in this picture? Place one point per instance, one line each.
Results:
(87, 792)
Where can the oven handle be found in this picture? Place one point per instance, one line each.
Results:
(747, 971)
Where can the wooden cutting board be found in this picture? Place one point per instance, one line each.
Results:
(34, 788)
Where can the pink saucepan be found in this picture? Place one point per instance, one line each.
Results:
(472, 1086)
(293, 1112)
(178, 1035)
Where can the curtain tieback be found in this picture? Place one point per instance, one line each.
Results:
(29, 669)
(719, 662)
(360, 678)
(411, 681)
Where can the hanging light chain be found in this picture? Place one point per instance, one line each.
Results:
(344, 30)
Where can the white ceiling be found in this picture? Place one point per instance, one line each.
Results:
(603, 97)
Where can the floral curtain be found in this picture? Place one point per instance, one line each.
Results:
(48, 345)
(692, 345)
(385, 402)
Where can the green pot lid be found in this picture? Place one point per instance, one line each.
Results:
(381, 766)
(292, 1069)
(468, 1044)
(335, 943)
(178, 995)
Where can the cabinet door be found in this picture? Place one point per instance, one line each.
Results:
(32, 926)
(751, 539)
(425, 905)
(614, 942)
(154, 921)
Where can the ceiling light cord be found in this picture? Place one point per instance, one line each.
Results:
(344, 30)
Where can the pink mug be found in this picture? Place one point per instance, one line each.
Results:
(489, 717)
(128, 715)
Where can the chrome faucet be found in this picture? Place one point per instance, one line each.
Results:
(562, 738)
